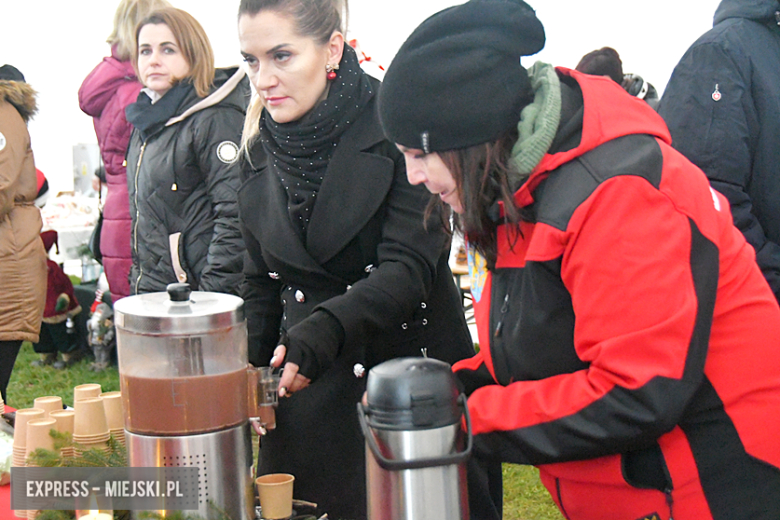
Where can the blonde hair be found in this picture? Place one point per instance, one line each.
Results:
(191, 39)
(316, 19)
(128, 14)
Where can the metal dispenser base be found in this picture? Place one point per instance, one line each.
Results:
(224, 459)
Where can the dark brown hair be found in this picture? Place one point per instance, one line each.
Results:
(484, 177)
(602, 62)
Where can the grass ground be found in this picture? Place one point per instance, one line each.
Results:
(524, 496)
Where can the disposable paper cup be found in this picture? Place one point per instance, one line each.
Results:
(86, 391)
(20, 424)
(112, 403)
(90, 417)
(49, 403)
(276, 494)
(64, 420)
(38, 435)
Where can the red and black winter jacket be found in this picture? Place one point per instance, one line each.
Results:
(630, 345)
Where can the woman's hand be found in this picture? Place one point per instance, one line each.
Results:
(291, 380)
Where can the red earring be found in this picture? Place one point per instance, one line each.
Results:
(331, 70)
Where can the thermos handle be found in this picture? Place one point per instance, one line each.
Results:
(399, 465)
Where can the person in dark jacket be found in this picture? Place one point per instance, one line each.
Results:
(183, 170)
(104, 95)
(722, 106)
(342, 273)
(628, 342)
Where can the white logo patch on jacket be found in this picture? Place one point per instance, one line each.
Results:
(227, 152)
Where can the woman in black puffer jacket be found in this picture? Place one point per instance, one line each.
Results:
(182, 172)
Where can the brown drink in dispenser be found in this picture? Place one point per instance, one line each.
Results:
(182, 369)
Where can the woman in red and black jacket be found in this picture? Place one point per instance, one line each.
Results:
(629, 343)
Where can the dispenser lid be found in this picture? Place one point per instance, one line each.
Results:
(178, 311)
(412, 394)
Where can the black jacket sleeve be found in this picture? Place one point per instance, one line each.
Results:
(711, 115)
(217, 138)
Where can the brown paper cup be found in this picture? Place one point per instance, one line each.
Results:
(38, 435)
(112, 403)
(20, 424)
(90, 419)
(276, 494)
(86, 391)
(49, 403)
(64, 420)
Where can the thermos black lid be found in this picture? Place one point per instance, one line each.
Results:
(413, 393)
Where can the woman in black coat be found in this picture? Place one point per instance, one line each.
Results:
(342, 273)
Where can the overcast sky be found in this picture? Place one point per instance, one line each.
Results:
(56, 44)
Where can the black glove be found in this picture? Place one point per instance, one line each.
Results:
(314, 343)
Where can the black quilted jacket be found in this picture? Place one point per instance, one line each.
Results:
(182, 181)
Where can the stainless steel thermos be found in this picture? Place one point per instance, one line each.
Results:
(416, 448)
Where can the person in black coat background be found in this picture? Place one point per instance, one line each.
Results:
(182, 160)
(341, 271)
(722, 106)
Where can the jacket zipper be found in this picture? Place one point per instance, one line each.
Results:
(137, 215)
(500, 324)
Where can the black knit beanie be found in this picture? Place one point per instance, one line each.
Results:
(457, 80)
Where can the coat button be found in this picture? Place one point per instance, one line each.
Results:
(299, 296)
(349, 287)
(273, 276)
(425, 321)
(359, 370)
(424, 305)
(369, 268)
(404, 326)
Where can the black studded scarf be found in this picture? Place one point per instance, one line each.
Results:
(299, 151)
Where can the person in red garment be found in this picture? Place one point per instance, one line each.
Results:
(105, 93)
(629, 342)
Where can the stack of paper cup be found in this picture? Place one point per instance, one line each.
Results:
(64, 419)
(49, 403)
(90, 428)
(38, 436)
(19, 460)
(86, 391)
(112, 403)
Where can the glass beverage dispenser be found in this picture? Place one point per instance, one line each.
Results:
(182, 367)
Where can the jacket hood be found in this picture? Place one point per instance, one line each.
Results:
(228, 91)
(104, 83)
(757, 10)
(21, 96)
(609, 112)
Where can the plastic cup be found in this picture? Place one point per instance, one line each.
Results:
(263, 396)
(112, 403)
(49, 403)
(38, 435)
(90, 419)
(64, 420)
(86, 391)
(276, 495)
(20, 424)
